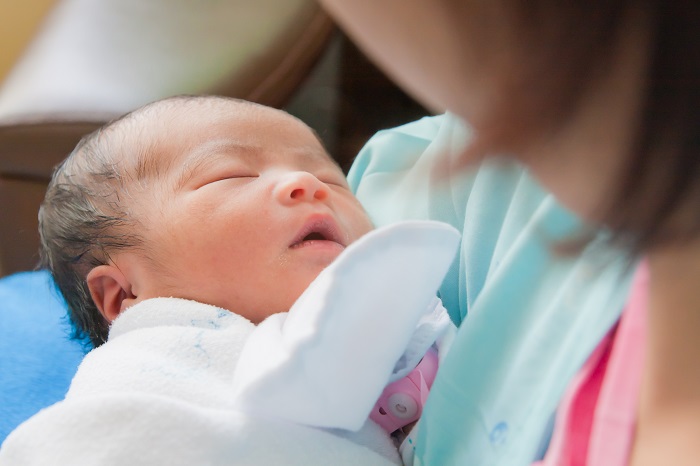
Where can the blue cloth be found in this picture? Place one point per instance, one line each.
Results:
(37, 357)
(528, 316)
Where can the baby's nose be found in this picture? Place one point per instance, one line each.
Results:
(300, 187)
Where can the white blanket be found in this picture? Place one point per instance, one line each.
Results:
(183, 383)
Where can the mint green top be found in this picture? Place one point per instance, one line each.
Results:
(528, 316)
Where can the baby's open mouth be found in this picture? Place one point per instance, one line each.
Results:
(314, 236)
(317, 230)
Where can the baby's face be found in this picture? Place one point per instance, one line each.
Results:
(244, 209)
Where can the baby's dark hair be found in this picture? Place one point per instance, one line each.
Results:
(81, 220)
(84, 217)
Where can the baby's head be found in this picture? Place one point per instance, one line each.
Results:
(206, 198)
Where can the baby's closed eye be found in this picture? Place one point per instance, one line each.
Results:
(228, 177)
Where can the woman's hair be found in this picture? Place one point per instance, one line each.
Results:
(663, 175)
(561, 48)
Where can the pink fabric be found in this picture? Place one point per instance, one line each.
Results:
(596, 420)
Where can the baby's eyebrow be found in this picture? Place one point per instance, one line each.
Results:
(313, 156)
(209, 153)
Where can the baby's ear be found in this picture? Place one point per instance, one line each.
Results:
(109, 289)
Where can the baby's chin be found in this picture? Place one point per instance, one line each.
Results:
(289, 287)
(304, 279)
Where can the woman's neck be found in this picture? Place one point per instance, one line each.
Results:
(668, 426)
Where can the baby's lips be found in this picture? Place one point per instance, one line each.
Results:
(318, 227)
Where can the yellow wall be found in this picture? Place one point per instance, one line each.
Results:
(19, 20)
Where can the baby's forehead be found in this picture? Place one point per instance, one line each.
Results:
(202, 120)
(168, 135)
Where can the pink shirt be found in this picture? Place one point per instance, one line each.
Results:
(595, 423)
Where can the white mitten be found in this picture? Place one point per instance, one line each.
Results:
(336, 349)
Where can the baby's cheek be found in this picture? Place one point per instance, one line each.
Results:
(360, 223)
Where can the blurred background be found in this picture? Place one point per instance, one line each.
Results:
(69, 66)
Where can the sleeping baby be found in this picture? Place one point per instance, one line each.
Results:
(242, 307)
